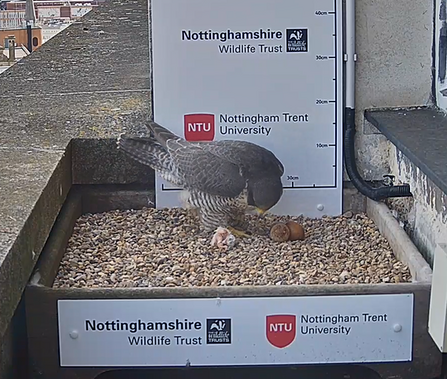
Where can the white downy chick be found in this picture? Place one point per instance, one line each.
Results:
(223, 238)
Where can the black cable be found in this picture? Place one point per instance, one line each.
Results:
(351, 166)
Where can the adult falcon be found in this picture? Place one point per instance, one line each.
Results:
(223, 179)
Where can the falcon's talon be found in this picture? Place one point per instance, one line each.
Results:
(239, 233)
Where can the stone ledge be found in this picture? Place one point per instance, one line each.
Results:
(90, 82)
(420, 134)
(107, 50)
(32, 190)
(50, 122)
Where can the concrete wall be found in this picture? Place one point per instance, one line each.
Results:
(394, 68)
(424, 217)
(440, 83)
(14, 349)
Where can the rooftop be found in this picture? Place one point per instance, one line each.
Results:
(90, 81)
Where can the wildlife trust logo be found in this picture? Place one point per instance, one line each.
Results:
(199, 127)
(218, 331)
(296, 40)
(281, 330)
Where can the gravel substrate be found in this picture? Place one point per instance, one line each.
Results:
(163, 248)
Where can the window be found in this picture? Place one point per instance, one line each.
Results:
(441, 54)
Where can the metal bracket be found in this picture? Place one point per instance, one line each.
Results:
(388, 180)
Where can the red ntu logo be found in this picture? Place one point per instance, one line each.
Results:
(199, 127)
(281, 330)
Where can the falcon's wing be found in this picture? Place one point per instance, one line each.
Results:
(204, 171)
(161, 134)
(251, 157)
(149, 152)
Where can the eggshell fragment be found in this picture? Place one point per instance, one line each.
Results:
(280, 232)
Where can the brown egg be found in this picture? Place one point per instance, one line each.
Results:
(280, 232)
(296, 231)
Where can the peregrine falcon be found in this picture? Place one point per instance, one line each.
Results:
(223, 179)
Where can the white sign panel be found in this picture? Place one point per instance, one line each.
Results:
(265, 71)
(236, 331)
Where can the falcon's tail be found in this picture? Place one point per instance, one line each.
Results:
(150, 153)
(162, 134)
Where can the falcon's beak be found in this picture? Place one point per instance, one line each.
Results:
(252, 210)
(260, 211)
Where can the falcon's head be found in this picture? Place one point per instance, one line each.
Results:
(264, 193)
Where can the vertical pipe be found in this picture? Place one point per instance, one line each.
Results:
(442, 41)
(350, 55)
(350, 58)
(30, 36)
(12, 49)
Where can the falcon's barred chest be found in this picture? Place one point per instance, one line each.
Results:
(217, 211)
